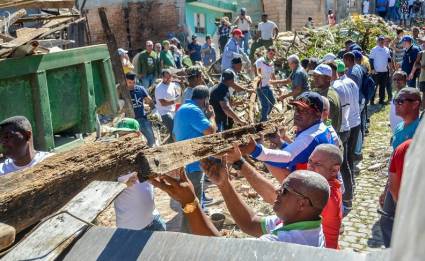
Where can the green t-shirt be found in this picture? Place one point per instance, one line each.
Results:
(167, 59)
(148, 63)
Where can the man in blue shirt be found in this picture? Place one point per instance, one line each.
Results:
(194, 49)
(138, 95)
(232, 50)
(409, 59)
(195, 118)
(208, 52)
(407, 106)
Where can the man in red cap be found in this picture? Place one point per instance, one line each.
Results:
(232, 50)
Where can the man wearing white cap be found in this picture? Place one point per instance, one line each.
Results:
(322, 76)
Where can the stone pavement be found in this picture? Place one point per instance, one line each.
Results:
(361, 227)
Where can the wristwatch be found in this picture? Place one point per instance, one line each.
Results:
(190, 207)
(237, 165)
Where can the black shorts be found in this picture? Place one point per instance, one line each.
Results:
(422, 86)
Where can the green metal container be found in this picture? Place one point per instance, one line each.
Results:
(58, 92)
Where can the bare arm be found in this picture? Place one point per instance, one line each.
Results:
(394, 183)
(165, 102)
(257, 181)
(182, 191)
(211, 117)
(243, 215)
(229, 112)
(149, 101)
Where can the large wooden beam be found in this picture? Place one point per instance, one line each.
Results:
(32, 194)
(116, 63)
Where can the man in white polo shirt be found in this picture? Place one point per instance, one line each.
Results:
(379, 59)
(166, 96)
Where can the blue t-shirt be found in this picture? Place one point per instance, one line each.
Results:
(196, 56)
(137, 96)
(190, 122)
(403, 133)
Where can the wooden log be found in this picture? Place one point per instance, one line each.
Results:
(116, 63)
(28, 196)
(32, 194)
(7, 236)
(46, 17)
(54, 235)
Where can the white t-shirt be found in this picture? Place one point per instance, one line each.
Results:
(266, 29)
(348, 93)
(354, 115)
(168, 93)
(266, 70)
(135, 206)
(307, 233)
(380, 56)
(394, 119)
(8, 166)
(243, 25)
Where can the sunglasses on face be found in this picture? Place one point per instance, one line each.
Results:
(287, 189)
(401, 101)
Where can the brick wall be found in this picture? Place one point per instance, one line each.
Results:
(147, 20)
(301, 10)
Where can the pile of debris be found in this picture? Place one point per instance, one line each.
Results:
(322, 40)
(56, 25)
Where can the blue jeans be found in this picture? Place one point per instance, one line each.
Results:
(147, 131)
(267, 101)
(158, 224)
(147, 80)
(363, 124)
(168, 121)
(387, 221)
(246, 38)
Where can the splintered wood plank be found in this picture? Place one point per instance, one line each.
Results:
(49, 239)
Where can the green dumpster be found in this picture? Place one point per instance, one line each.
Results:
(58, 92)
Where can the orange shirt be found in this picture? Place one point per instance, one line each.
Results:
(332, 215)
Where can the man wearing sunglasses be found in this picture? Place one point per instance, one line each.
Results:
(407, 106)
(298, 205)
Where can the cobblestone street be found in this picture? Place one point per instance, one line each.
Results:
(362, 232)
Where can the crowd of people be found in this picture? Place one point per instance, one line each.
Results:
(404, 12)
(316, 167)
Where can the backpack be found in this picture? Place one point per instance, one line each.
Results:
(368, 87)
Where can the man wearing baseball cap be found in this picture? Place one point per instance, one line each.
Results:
(322, 76)
(220, 101)
(409, 58)
(311, 132)
(232, 49)
(194, 49)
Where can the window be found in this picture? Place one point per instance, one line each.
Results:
(200, 23)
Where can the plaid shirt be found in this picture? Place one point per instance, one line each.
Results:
(223, 31)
